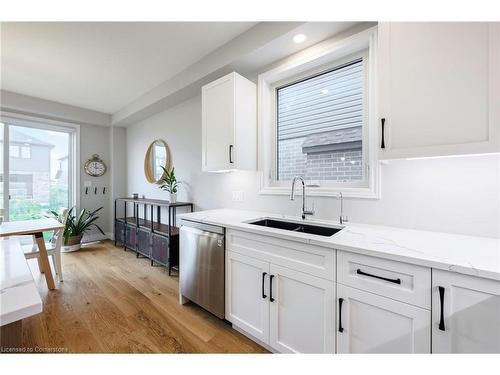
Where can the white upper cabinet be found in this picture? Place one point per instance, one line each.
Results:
(439, 88)
(465, 314)
(229, 124)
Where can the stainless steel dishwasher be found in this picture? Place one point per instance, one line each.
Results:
(201, 265)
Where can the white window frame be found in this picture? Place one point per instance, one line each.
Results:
(8, 118)
(311, 61)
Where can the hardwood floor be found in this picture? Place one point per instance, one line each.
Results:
(112, 302)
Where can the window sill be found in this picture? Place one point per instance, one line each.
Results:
(363, 193)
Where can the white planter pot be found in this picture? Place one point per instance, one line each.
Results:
(74, 244)
(173, 197)
(71, 248)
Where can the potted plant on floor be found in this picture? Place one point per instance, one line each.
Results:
(169, 183)
(76, 226)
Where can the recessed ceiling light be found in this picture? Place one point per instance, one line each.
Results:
(299, 38)
(324, 91)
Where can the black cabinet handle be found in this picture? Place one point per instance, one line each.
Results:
(271, 277)
(263, 279)
(395, 281)
(441, 299)
(382, 143)
(341, 329)
(231, 154)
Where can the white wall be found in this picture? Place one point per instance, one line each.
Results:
(96, 140)
(118, 170)
(457, 195)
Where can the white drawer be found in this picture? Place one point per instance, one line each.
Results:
(399, 281)
(315, 260)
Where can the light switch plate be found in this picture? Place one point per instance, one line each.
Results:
(237, 196)
(87, 184)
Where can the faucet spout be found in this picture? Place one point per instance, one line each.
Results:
(292, 196)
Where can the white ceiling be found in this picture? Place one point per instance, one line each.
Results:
(103, 66)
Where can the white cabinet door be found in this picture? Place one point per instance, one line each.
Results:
(302, 313)
(218, 124)
(247, 294)
(439, 88)
(229, 124)
(368, 323)
(466, 314)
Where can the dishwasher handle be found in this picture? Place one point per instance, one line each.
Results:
(202, 227)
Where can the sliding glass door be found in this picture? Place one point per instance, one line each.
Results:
(37, 169)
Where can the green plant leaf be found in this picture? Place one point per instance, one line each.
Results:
(169, 182)
(77, 225)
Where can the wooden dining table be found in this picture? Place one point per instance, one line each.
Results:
(34, 228)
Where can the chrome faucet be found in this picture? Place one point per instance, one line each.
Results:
(342, 218)
(292, 197)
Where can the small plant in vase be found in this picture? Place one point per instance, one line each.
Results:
(169, 183)
(76, 226)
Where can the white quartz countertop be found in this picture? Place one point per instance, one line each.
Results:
(19, 297)
(478, 256)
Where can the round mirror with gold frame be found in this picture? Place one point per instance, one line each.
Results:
(157, 156)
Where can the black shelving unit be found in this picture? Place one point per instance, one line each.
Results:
(147, 235)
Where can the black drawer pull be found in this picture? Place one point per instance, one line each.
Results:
(341, 329)
(395, 281)
(441, 299)
(231, 154)
(271, 277)
(382, 142)
(263, 279)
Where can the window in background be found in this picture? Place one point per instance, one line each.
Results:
(14, 151)
(320, 121)
(26, 152)
(39, 172)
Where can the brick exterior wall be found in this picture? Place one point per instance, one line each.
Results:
(342, 165)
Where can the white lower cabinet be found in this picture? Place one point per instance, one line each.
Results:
(369, 323)
(302, 313)
(247, 303)
(466, 314)
(283, 293)
(288, 310)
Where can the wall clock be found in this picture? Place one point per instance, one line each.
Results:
(95, 167)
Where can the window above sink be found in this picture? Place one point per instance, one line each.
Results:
(318, 120)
